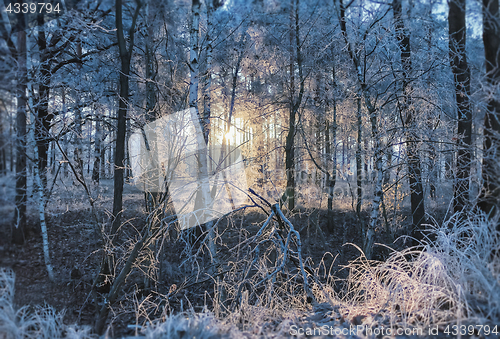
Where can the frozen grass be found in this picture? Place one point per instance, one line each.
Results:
(185, 325)
(27, 322)
(454, 279)
(246, 322)
(471, 252)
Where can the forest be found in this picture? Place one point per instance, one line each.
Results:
(249, 168)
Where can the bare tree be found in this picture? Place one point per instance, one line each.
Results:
(98, 149)
(203, 197)
(331, 148)
(408, 119)
(295, 101)
(373, 112)
(359, 189)
(38, 184)
(490, 195)
(461, 76)
(125, 56)
(19, 223)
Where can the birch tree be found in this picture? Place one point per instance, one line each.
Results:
(39, 187)
(203, 197)
(207, 76)
(373, 112)
(359, 191)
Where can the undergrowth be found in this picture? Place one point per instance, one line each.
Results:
(31, 322)
(453, 279)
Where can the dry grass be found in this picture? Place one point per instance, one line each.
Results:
(453, 279)
(27, 322)
(185, 325)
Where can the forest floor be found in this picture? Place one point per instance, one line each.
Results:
(75, 252)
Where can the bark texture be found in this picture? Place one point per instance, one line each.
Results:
(409, 120)
(489, 200)
(461, 76)
(19, 222)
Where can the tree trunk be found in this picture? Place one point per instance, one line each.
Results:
(38, 185)
(152, 195)
(294, 105)
(414, 166)
(331, 151)
(103, 159)
(19, 222)
(43, 117)
(461, 75)
(96, 170)
(3, 160)
(203, 197)
(359, 124)
(121, 131)
(193, 103)
(125, 56)
(78, 135)
(489, 200)
(373, 113)
(207, 76)
(12, 143)
(433, 176)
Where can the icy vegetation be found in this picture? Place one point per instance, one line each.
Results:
(451, 280)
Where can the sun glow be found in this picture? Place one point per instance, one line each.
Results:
(234, 136)
(231, 134)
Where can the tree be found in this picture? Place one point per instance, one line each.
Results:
(331, 148)
(489, 200)
(3, 141)
(203, 196)
(359, 189)
(98, 150)
(295, 102)
(19, 223)
(39, 187)
(59, 45)
(461, 76)
(408, 123)
(356, 57)
(125, 56)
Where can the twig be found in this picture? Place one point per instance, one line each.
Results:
(82, 182)
(49, 193)
(260, 197)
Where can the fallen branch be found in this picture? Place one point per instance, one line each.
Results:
(287, 241)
